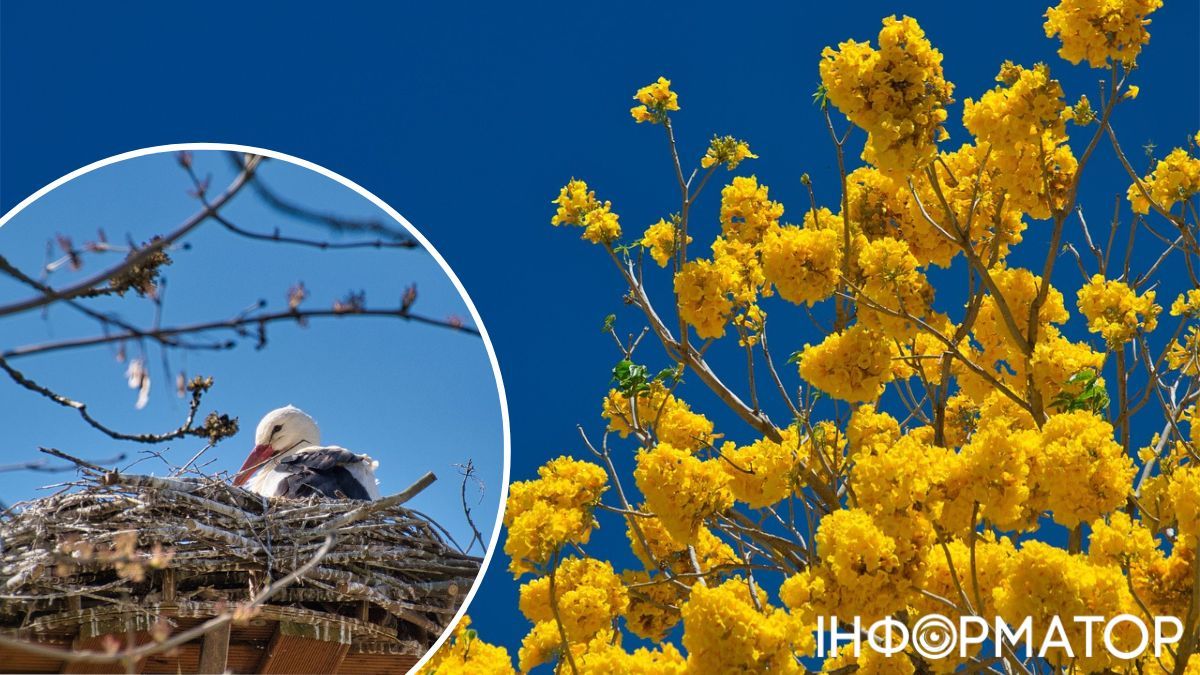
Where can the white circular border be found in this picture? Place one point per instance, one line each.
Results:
(462, 292)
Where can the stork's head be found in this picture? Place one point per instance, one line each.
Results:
(281, 430)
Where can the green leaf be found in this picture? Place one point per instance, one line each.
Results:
(821, 96)
(608, 323)
(631, 378)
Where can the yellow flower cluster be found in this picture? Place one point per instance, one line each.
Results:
(1122, 541)
(1115, 311)
(994, 472)
(894, 283)
(541, 645)
(902, 485)
(1056, 359)
(992, 559)
(1022, 124)
(724, 632)
(897, 93)
(669, 418)
(681, 489)
(860, 573)
(1184, 354)
(802, 263)
(852, 365)
(1018, 289)
(764, 472)
(653, 605)
(464, 652)
(1100, 30)
(662, 238)
(1082, 473)
(726, 150)
(543, 515)
(667, 553)
(869, 431)
(868, 662)
(577, 205)
(975, 200)
(1187, 304)
(656, 101)
(589, 596)
(606, 656)
(1046, 582)
(746, 211)
(702, 289)
(1173, 180)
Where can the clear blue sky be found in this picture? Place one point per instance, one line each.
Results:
(469, 118)
(416, 397)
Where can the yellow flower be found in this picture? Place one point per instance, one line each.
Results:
(589, 596)
(464, 652)
(1044, 582)
(1184, 355)
(724, 632)
(763, 472)
(802, 263)
(681, 489)
(970, 195)
(727, 150)
(1023, 124)
(543, 515)
(577, 205)
(653, 604)
(1174, 180)
(1056, 360)
(893, 282)
(869, 431)
(656, 100)
(702, 289)
(1018, 287)
(541, 645)
(711, 551)
(669, 418)
(860, 573)
(994, 472)
(746, 213)
(603, 656)
(1187, 304)
(662, 238)
(1081, 471)
(852, 365)
(897, 93)
(1115, 311)
(1099, 30)
(903, 487)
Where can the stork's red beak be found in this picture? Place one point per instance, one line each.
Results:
(259, 455)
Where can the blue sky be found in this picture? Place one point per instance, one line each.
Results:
(417, 398)
(468, 118)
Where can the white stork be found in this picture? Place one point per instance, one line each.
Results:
(288, 460)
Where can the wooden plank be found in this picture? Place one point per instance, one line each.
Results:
(306, 648)
(376, 664)
(20, 661)
(97, 643)
(215, 653)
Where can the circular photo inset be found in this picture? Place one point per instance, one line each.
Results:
(252, 421)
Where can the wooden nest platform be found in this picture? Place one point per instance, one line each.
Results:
(193, 575)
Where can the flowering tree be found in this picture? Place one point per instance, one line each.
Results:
(958, 459)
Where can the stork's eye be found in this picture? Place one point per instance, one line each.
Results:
(277, 429)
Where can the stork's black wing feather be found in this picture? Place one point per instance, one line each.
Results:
(321, 472)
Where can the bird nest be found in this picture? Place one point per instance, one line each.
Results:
(129, 553)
